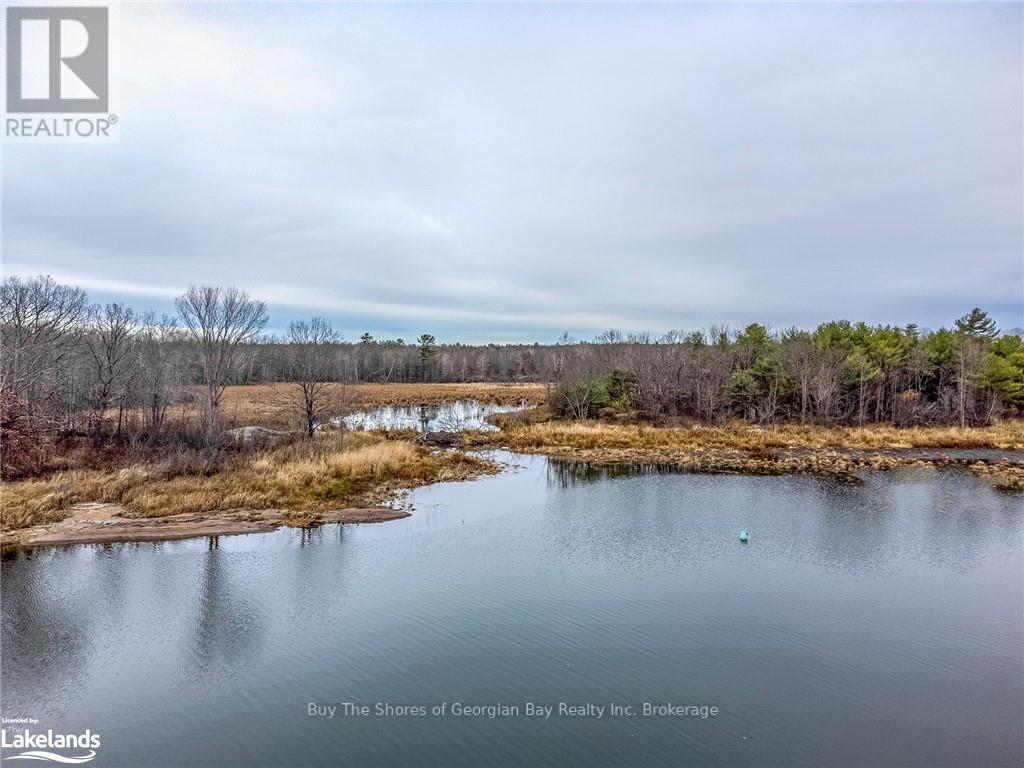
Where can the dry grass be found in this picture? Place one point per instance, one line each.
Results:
(330, 472)
(839, 452)
(1007, 435)
(274, 405)
(339, 470)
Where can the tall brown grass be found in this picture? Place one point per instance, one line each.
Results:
(839, 452)
(742, 449)
(330, 472)
(1008, 435)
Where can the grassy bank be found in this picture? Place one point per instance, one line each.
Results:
(304, 476)
(745, 437)
(338, 470)
(330, 472)
(744, 449)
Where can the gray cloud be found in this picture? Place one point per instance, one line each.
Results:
(510, 172)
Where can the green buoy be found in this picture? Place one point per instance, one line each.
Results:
(743, 535)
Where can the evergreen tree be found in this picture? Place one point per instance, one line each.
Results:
(428, 346)
(977, 324)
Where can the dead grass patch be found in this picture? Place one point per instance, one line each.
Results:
(330, 472)
(1008, 435)
(839, 452)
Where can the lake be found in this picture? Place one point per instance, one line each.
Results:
(874, 624)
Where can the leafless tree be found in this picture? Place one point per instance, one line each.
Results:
(311, 369)
(969, 354)
(219, 321)
(109, 342)
(798, 355)
(660, 371)
(60, 367)
(826, 386)
(41, 322)
(578, 400)
(160, 361)
(579, 388)
(711, 375)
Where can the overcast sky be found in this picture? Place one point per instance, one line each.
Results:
(514, 172)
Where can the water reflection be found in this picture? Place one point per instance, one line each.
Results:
(565, 473)
(638, 514)
(891, 608)
(446, 417)
(228, 625)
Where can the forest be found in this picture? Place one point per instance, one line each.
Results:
(73, 370)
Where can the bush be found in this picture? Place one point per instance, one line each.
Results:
(588, 397)
(620, 386)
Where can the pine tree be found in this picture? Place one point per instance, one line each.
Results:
(977, 324)
(428, 346)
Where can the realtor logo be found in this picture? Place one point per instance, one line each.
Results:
(58, 59)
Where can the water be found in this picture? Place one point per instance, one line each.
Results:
(447, 417)
(862, 625)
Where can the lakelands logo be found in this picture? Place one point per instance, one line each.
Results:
(58, 63)
(40, 746)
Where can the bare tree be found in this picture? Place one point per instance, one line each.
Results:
(61, 367)
(826, 385)
(110, 343)
(159, 361)
(41, 323)
(219, 321)
(578, 400)
(579, 389)
(712, 369)
(798, 356)
(311, 367)
(969, 355)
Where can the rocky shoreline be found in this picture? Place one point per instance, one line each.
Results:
(99, 523)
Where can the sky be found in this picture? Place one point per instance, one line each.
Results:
(514, 172)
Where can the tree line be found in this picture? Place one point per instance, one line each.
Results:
(70, 367)
(841, 373)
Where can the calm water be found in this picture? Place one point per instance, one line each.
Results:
(870, 625)
(449, 417)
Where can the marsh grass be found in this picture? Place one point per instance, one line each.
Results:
(337, 469)
(1007, 435)
(329, 472)
(838, 452)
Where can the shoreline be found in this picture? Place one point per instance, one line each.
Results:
(1005, 467)
(105, 523)
(352, 477)
(102, 522)
(338, 477)
(842, 453)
